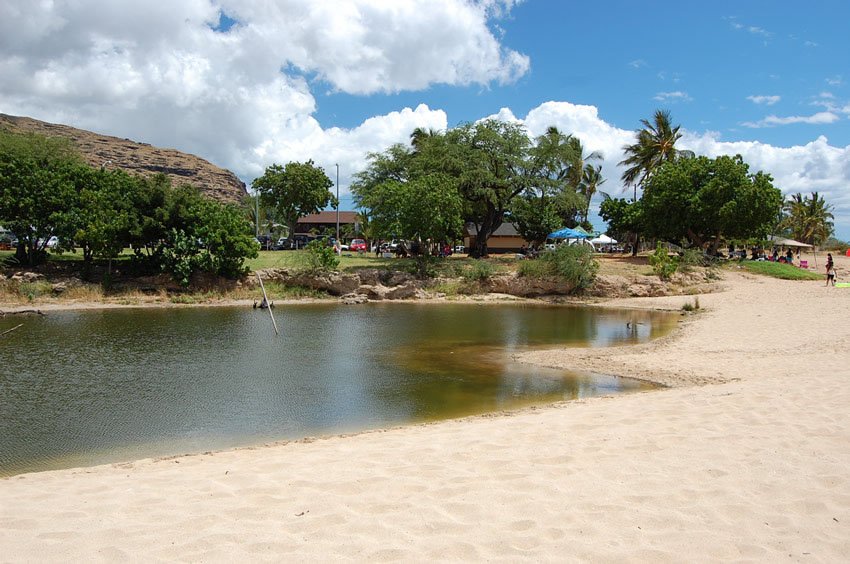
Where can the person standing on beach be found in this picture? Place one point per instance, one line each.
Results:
(830, 270)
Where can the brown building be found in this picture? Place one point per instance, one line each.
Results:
(326, 220)
(506, 239)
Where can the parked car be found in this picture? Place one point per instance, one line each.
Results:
(358, 245)
(52, 242)
(300, 240)
(8, 240)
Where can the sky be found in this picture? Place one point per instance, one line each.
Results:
(246, 84)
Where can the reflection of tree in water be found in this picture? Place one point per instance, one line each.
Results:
(467, 379)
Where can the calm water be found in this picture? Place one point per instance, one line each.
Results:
(88, 387)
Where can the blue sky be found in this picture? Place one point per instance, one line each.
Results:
(726, 68)
(623, 58)
(299, 79)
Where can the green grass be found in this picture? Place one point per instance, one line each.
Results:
(295, 260)
(779, 270)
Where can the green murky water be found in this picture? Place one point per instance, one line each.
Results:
(88, 387)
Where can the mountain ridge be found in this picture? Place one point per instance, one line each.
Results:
(138, 158)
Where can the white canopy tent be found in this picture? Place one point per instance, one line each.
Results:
(603, 240)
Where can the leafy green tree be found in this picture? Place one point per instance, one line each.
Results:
(203, 236)
(102, 218)
(36, 190)
(701, 201)
(226, 237)
(498, 172)
(294, 190)
(622, 216)
(149, 201)
(492, 160)
(808, 219)
(551, 199)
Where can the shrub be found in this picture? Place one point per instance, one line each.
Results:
(689, 259)
(534, 268)
(662, 264)
(319, 257)
(689, 307)
(478, 271)
(575, 263)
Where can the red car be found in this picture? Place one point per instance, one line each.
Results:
(357, 245)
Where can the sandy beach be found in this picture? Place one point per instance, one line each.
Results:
(744, 457)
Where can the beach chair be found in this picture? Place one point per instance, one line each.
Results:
(804, 264)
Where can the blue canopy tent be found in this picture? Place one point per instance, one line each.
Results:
(567, 233)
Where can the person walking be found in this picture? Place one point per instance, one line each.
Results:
(830, 270)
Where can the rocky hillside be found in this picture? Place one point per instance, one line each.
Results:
(138, 158)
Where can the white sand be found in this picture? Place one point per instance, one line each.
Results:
(753, 466)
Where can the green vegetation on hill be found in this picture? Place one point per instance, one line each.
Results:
(46, 191)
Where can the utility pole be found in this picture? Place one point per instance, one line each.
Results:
(338, 242)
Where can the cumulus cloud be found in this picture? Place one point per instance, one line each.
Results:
(767, 100)
(770, 121)
(670, 97)
(241, 94)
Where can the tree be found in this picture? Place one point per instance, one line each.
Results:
(591, 180)
(294, 190)
(622, 216)
(808, 219)
(701, 201)
(227, 238)
(493, 160)
(550, 199)
(36, 190)
(655, 144)
(103, 217)
(496, 170)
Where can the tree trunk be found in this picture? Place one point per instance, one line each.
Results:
(492, 221)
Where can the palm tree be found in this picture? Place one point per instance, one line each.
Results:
(591, 180)
(655, 144)
(560, 158)
(808, 218)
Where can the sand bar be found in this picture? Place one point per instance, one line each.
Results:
(744, 457)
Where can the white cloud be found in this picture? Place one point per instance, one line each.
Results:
(768, 100)
(755, 30)
(637, 63)
(835, 80)
(671, 97)
(159, 72)
(770, 121)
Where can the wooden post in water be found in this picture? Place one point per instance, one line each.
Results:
(268, 303)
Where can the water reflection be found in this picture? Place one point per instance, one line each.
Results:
(80, 388)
